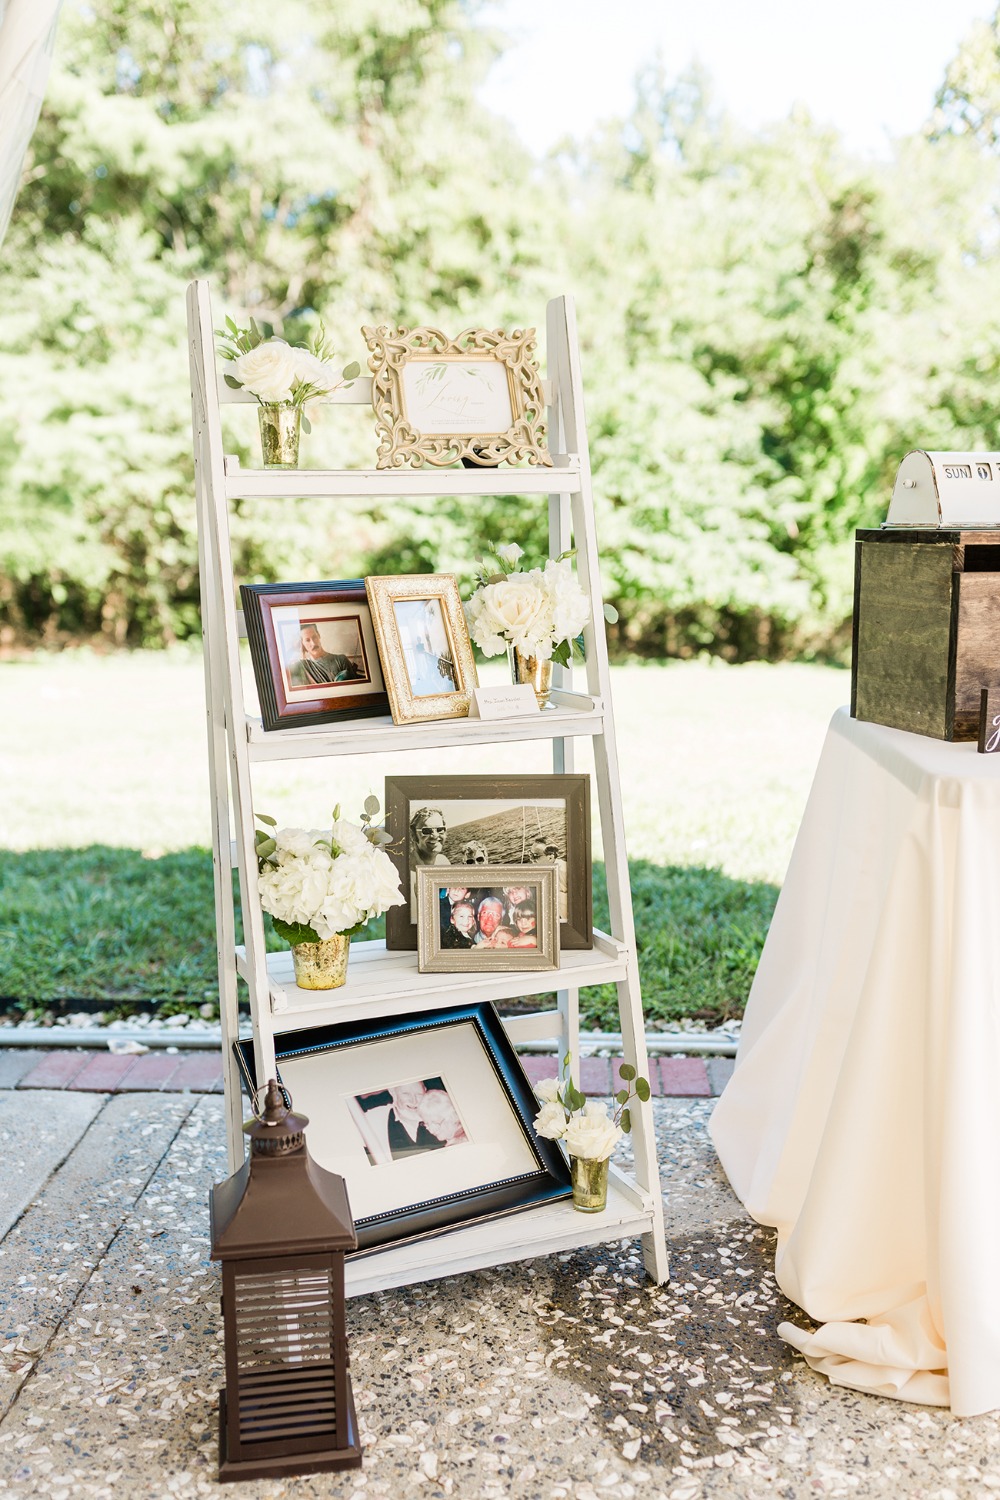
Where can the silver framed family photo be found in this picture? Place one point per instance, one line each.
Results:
(314, 653)
(489, 919)
(489, 820)
(428, 1117)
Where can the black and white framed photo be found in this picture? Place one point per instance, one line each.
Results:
(489, 820)
(486, 918)
(427, 1117)
(314, 653)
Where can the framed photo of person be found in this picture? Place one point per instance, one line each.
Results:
(314, 653)
(486, 919)
(427, 1117)
(490, 820)
(424, 645)
(437, 400)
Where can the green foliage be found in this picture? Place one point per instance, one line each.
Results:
(768, 324)
(117, 926)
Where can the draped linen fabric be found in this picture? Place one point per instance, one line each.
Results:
(27, 38)
(862, 1120)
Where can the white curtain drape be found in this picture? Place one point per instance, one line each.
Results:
(27, 37)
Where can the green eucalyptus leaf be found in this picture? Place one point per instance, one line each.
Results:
(306, 424)
(265, 846)
(352, 371)
(642, 1089)
(611, 614)
(371, 805)
(627, 1072)
(266, 818)
(622, 1096)
(233, 383)
(625, 1121)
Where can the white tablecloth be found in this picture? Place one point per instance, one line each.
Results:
(863, 1116)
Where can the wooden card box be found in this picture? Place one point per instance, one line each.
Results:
(926, 629)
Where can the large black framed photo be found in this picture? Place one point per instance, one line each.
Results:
(428, 1118)
(484, 820)
(315, 659)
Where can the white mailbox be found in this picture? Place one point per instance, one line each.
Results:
(946, 490)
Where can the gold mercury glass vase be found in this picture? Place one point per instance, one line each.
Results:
(530, 669)
(322, 965)
(590, 1183)
(280, 426)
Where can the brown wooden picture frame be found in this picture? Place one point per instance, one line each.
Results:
(336, 603)
(404, 795)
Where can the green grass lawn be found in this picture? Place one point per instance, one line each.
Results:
(106, 885)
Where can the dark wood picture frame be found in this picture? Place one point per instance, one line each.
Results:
(548, 1181)
(277, 708)
(403, 793)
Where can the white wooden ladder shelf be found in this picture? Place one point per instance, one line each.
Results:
(384, 983)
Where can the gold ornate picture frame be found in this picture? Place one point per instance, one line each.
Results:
(423, 641)
(437, 400)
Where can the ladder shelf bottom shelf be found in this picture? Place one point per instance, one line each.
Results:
(384, 983)
(547, 1230)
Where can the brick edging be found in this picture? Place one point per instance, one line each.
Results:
(201, 1073)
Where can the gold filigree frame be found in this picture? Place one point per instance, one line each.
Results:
(402, 442)
(407, 706)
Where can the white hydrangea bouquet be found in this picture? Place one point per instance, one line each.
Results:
(321, 888)
(539, 612)
(586, 1128)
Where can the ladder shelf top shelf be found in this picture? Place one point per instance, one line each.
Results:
(387, 983)
(572, 714)
(251, 484)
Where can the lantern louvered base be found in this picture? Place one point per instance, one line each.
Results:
(292, 1463)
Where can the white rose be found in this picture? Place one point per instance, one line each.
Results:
(550, 1121)
(483, 628)
(591, 1134)
(570, 605)
(269, 371)
(548, 1090)
(517, 610)
(295, 841)
(349, 837)
(509, 553)
(313, 371)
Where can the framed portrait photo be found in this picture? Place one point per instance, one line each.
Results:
(314, 653)
(437, 400)
(492, 820)
(427, 1117)
(424, 646)
(486, 918)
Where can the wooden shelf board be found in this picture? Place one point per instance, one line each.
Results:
(576, 715)
(388, 983)
(253, 484)
(548, 1230)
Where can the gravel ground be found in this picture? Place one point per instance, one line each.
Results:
(563, 1377)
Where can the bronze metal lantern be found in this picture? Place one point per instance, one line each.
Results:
(281, 1226)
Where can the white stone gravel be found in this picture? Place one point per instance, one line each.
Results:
(563, 1377)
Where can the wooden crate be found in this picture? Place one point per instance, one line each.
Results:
(926, 629)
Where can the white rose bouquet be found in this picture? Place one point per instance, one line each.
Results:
(541, 612)
(584, 1125)
(279, 373)
(316, 884)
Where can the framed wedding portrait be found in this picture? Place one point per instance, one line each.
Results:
(491, 820)
(314, 653)
(437, 400)
(428, 1118)
(424, 646)
(486, 919)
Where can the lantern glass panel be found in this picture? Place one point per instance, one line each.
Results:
(288, 1333)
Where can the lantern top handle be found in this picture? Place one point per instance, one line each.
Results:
(277, 1130)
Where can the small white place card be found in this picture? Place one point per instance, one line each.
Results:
(514, 702)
